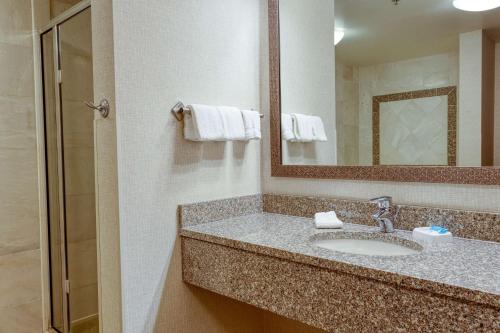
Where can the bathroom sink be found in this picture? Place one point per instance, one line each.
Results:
(370, 244)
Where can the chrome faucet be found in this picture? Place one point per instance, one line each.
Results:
(386, 214)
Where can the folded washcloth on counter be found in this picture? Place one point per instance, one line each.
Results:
(287, 127)
(328, 220)
(251, 120)
(203, 123)
(232, 119)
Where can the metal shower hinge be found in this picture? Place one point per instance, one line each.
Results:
(66, 286)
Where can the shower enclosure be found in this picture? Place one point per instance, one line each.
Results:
(66, 48)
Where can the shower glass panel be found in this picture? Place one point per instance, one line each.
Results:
(69, 132)
(78, 147)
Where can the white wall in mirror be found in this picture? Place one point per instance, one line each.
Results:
(476, 100)
(307, 70)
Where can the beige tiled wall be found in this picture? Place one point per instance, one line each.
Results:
(414, 74)
(59, 6)
(357, 85)
(414, 132)
(20, 285)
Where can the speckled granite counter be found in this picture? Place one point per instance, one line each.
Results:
(268, 260)
(467, 269)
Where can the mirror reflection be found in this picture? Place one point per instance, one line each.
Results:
(386, 82)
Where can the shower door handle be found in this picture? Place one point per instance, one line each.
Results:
(103, 107)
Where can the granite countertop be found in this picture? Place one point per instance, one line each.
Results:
(463, 268)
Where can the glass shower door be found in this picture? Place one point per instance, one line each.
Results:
(78, 147)
(69, 132)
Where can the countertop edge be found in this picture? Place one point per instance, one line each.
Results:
(457, 292)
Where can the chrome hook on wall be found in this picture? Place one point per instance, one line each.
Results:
(103, 107)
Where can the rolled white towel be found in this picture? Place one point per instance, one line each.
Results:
(203, 123)
(287, 127)
(232, 119)
(328, 220)
(251, 120)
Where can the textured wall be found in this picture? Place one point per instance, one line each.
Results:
(106, 172)
(199, 52)
(460, 196)
(20, 286)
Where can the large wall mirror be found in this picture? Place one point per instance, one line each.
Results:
(404, 90)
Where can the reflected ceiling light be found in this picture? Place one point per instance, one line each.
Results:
(476, 5)
(338, 36)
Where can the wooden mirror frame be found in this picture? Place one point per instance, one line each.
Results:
(431, 174)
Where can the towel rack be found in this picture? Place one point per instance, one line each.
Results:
(180, 109)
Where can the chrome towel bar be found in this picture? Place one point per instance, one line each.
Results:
(180, 109)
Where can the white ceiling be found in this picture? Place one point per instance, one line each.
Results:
(377, 31)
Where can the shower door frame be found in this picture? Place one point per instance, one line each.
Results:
(53, 26)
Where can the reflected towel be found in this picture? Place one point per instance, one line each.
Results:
(203, 123)
(318, 129)
(251, 121)
(287, 127)
(303, 127)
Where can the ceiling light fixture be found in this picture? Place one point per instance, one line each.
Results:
(476, 5)
(338, 36)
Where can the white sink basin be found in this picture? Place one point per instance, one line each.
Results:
(370, 244)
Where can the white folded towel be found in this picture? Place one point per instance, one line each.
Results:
(287, 127)
(232, 119)
(203, 123)
(303, 127)
(328, 220)
(318, 129)
(251, 120)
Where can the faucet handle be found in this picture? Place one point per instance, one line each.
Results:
(383, 202)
